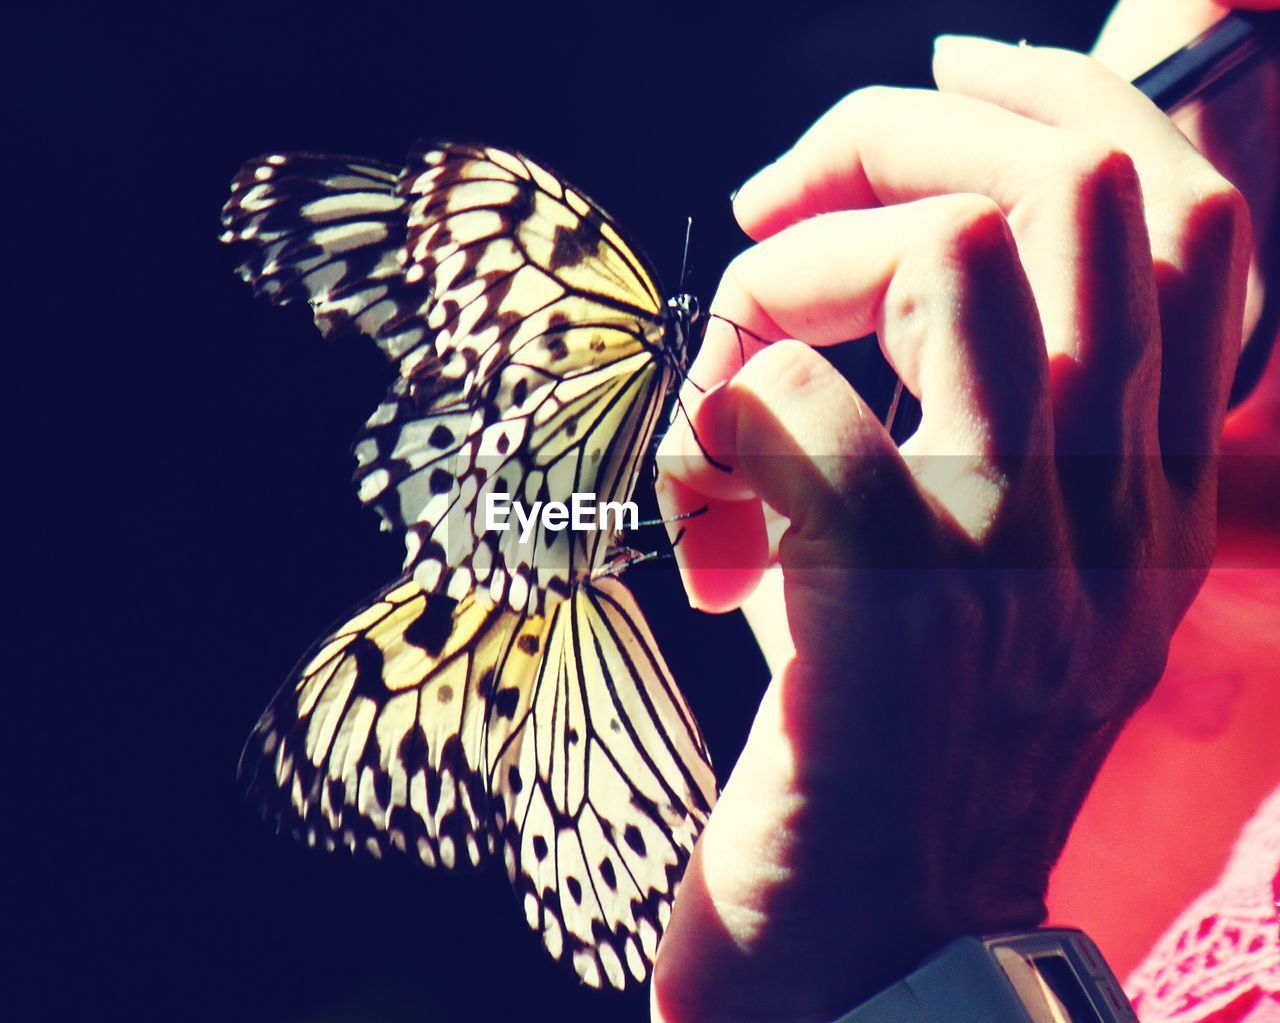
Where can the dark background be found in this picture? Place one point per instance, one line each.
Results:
(183, 453)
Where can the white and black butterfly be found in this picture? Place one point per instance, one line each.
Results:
(499, 695)
(449, 729)
(533, 346)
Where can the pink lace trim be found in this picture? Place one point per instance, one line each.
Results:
(1221, 957)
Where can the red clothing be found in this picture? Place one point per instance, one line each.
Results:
(1220, 961)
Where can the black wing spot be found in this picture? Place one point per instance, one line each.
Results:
(432, 629)
(520, 391)
(607, 872)
(441, 481)
(413, 750)
(382, 788)
(556, 346)
(631, 835)
(369, 665)
(571, 246)
(529, 643)
(539, 848)
(444, 693)
(575, 889)
(441, 436)
(504, 443)
(515, 781)
(505, 702)
(521, 207)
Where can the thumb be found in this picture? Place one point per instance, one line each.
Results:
(809, 447)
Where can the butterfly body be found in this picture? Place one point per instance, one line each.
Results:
(504, 693)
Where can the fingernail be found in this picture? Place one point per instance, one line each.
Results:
(752, 183)
(963, 45)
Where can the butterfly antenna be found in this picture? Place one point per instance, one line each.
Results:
(684, 259)
(698, 440)
(645, 523)
(739, 330)
(634, 558)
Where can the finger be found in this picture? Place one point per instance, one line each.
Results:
(766, 612)
(881, 145)
(1073, 203)
(688, 449)
(1197, 222)
(721, 550)
(940, 283)
(812, 450)
(734, 333)
(696, 451)
(1139, 34)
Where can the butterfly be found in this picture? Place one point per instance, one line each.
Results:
(533, 349)
(447, 729)
(500, 695)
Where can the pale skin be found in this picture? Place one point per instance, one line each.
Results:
(1055, 272)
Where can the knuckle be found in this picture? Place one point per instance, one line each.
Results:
(868, 103)
(740, 284)
(868, 96)
(787, 368)
(974, 229)
(1217, 214)
(737, 273)
(1100, 174)
(964, 242)
(783, 365)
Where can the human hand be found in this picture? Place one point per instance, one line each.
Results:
(1234, 128)
(958, 630)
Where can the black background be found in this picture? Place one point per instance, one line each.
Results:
(182, 451)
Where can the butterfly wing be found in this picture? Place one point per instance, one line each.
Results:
(534, 353)
(330, 230)
(379, 736)
(604, 784)
(441, 728)
(553, 353)
(533, 344)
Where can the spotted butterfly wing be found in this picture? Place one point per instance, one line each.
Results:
(545, 350)
(378, 738)
(605, 784)
(448, 729)
(330, 230)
